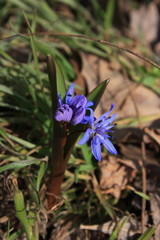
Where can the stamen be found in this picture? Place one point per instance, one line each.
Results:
(99, 121)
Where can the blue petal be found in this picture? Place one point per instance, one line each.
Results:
(59, 116)
(109, 146)
(104, 116)
(109, 127)
(109, 120)
(59, 101)
(68, 114)
(96, 147)
(85, 119)
(100, 130)
(105, 136)
(69, 93)
(89, 104)
(78, 101)
(91, 118)
(78, 115)
(85, 137)
(64, 113)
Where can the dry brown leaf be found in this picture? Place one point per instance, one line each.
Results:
(129, 229)
(79, 78)
(146, 101)
(115, 175)
(61, 232)
(129, 97)
(134, 152)
(153, 134)
(139, 24)
(129, 135)
(155, 208)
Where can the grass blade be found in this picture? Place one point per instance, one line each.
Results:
(20, 164)
(21, 141)
(147, 234)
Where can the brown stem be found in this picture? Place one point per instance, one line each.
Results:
(54, 187)
(58, 167)
(57, 161)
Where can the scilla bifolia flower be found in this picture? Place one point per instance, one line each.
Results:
(74, 108)
(97, 132)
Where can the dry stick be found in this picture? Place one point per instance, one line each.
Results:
(87, 38)
(144, 186)
(152, 135)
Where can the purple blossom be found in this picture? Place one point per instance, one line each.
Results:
(74, 108)
(97, 131)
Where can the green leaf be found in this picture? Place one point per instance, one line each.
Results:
(15, 235)
(147, 234)
(53, 81)
(7, 56)
(21, 212)
(82, 168)
(96, 95)
(118, 228)
(7, 90)
(34, 49)
(87, 154)
(20, 164)
(145, 196)
(6, 105)
(60, 82)
(3, 133)
(110, 9)
(56, 80)
(41, 173)
(21, 141)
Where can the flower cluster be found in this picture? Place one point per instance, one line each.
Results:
(74, 108)
(97, 131)
(74, 111)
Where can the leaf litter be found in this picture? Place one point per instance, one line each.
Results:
(132, 100)
(122, 91)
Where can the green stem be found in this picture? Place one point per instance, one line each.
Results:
(21, 210)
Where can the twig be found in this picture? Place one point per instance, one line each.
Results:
(87, 38)
(151, 134)
(33, 150)
(144, 186)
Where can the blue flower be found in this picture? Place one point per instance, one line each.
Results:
(74, 108)
(97, 131)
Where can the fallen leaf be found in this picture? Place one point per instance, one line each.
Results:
(155, 208)
(129, 229)
(131, 99)
(134, 152)
(115, 174)
(61, 232)
(153, 134)
(139, 24)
